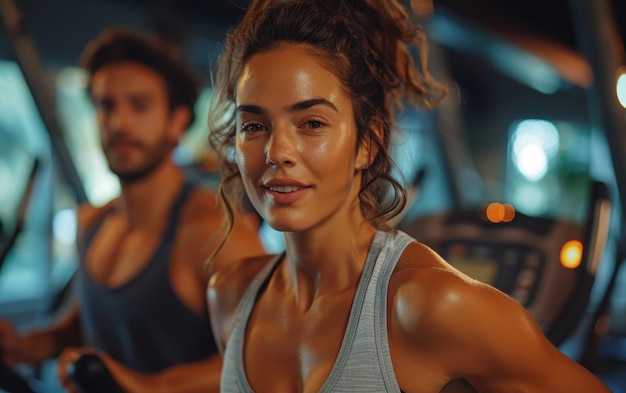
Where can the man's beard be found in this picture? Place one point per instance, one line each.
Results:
(155, 157)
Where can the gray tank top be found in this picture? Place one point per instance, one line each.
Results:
(363, 363)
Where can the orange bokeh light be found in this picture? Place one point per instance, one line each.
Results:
(509, 212)
(496, 212)
(571, 254)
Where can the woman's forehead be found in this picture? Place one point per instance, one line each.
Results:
(290, 70)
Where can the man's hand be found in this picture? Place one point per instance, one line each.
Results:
(127, 379)
(68, 357)
(10, 343)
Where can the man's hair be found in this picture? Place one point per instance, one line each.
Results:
(118, 45)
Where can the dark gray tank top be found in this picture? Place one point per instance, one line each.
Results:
(142, 323)
(363, 363)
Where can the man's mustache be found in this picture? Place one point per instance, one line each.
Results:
(122, 140)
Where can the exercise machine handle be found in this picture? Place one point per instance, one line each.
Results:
(12, 382)
(90, 375)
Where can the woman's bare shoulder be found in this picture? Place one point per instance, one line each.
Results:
(442, 296)
(419, 265)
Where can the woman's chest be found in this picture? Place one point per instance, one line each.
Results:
(292, 350)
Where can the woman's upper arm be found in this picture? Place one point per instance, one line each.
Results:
(515, 352)
(471, 330)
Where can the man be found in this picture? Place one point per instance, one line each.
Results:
(141, 283)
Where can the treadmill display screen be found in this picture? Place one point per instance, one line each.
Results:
(512, 268)
(471, 261)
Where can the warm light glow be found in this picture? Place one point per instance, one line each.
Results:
(509, 212)
(571, 254)
(498, 212)
(495, 212)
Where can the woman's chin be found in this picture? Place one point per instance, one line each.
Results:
(284, 226)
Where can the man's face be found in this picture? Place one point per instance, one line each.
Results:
(137, 127)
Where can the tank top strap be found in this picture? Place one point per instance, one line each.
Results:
(175, 212)
(233, 372)
(170, 230)
(90, 233)
(398, 241)
(251, 293)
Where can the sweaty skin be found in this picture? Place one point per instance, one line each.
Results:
(306, 140)
(447, 333)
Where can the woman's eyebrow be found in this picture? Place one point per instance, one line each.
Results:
(295, 107)
(250, 108)
(306, 104)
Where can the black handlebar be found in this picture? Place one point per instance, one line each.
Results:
(90, 375)
(12, 382)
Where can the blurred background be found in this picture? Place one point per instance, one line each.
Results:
(518, 178)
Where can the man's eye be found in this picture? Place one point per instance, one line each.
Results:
(104, 106)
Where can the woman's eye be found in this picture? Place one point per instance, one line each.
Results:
(314, 124)
(252, 127)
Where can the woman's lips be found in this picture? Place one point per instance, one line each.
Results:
(285, 189)
(284, 193)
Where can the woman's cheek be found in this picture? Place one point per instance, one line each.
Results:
(330, 154)
(246, 157)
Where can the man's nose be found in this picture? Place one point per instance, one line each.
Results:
(118, 119)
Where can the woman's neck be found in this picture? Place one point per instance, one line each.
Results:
(320, 262)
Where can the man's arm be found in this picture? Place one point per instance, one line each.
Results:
(193, 377)
(40, 345)
(202, 376)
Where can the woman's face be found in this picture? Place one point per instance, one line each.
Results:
(297, 141)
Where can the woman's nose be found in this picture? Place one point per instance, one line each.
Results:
(281, 148)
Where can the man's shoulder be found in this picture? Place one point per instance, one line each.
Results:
(226, 289)
(87, 214)
(201, 207)
(236, 276)
(203, 201)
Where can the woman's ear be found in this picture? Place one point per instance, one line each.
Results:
(369, 146)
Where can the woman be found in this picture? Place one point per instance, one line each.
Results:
(308, 88)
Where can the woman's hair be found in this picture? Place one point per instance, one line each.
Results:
(367, 45)
(120, 45)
